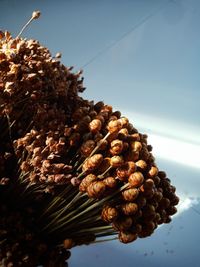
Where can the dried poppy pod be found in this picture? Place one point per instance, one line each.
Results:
(96, 189)
(109, 214)
(116, 147)
(136, 179)
(129, 208)
(86, 182)
(92, 163)
(130, 194)
(123, 223)
(127, 237)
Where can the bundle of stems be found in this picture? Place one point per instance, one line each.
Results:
(72, 171)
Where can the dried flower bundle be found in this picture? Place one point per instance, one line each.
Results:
(71, 170)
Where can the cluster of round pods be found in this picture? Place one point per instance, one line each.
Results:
(79, 170)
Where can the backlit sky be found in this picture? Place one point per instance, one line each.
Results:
(146, 64)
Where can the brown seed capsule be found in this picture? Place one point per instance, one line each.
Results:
(174, 201)
(103, 167)
(116, 147)
(86, 182)
(148, 210)
(136, 179)
(68, 243)
(95, 125)
(136, 146)
(36, 14)
(148, 184)
(130, 194)
(96, 189)
(127, 237)
(110, 182)
(116, 161)
(123, 223)
(114, 126)
(87, 147)
(161, 174)
(109, 214)
(171, 210)
(102, 144)
(141, 201)
(153, 171)
(132, 156)
(129, 208)
(164, 203)
(92, 163)
(157, 196)
(122, 134)
(124, 121)
(98, 106)
(141, 165)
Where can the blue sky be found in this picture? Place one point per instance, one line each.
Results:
(152, 76)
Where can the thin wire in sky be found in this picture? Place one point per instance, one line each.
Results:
(136, 26)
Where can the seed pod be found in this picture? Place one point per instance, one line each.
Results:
(122, 134)
(148, 210)
(68, 243)
(96, 189)
(86, 182)
(116, 161)
(125, 170)
(136, 146)
(109, 214)
(161, 174)
(116, 147)
(124, 121)
(114, 126)
(92, 163)
(141, 165)
(164, 203)
(171, 210)
(130, 194)
(87, 147)
(98, 106)
(110, 182)
(36, 14)
(129, 208)
(123, 223)
(148, 184)
(141, 201)
(132, 156)
(174, 201)
(105, 164)
(127, 237)
(102, 144)
(136, 179)
(95, 125)
(153, 171)
(157, 196)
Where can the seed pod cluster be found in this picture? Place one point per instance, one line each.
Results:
(78, 165)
